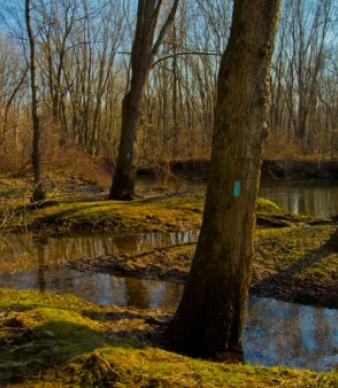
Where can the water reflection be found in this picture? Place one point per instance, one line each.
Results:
(286, 334)
(275, 333)
(98, 287)
(137, 295)
(312, 197)
(21, 251)
(318, 198)
(41, 244)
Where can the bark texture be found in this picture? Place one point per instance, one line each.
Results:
(211, 314)
(143, 52)
(39, 191)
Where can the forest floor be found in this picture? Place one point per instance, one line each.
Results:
(50, 341)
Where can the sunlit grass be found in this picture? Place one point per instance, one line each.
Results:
(302, 245)
(165, 212)
(61, 341)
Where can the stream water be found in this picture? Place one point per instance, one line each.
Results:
(275, 333)
(318, 198)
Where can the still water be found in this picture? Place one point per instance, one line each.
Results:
(317, 197)
(275, 333)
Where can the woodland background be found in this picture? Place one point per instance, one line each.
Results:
(83, 58)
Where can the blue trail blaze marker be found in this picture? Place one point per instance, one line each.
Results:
(237, 189)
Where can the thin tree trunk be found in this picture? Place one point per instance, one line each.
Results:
(211, 314)
(39, 191)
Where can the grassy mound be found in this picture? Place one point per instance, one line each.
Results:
(81, 208)
(52, 341)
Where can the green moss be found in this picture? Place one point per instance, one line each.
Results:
(266, 206)
(52, 341)
(65, 212)
(298, 253)
(161, 213)
(184, 251)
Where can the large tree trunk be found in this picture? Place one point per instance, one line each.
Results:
(210, 316)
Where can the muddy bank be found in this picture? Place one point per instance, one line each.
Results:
(293, 264)
(170, 263)
(288, 169)
(300, 169)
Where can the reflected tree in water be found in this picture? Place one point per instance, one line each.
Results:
(41, 243)
(137, 294)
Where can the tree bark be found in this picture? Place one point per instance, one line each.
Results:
(123, 187)
(211, 313)
(143, 52)
(39, 193)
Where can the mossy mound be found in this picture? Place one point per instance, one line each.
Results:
(89, 210)
(52, 341)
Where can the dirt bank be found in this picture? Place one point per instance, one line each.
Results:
(300, 169)
(292, 264)
(284, 168)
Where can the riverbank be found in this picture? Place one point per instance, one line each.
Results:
(271, 168)
(85, 208)
(60, 340)
(292, 264)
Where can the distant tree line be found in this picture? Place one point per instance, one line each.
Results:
(83, 51)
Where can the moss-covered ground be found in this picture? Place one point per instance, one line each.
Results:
(61, 341)
(86, 208)
(162, 212)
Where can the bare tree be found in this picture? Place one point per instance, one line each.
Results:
(39, 193)
(12, 77)
(143, 52)
(83, 72)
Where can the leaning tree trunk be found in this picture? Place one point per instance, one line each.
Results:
(143, 52)
(39, 193)
(210, 316)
